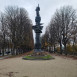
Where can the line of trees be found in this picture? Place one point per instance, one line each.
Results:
(62, 29)
(15, 31)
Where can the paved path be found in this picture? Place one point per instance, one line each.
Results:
(4, 57)
(58, 67)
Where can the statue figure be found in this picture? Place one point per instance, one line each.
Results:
(37, 10)
(38, 18)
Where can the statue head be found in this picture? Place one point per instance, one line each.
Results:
(38, 8)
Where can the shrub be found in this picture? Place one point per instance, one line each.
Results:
(69, 48)
(58, 49)
(74, 48)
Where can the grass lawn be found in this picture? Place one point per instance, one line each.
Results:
(46, 57)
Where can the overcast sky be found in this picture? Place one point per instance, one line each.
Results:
(47, 7)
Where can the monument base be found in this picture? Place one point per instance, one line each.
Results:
(41, 53)
(37, 50)
(38, 56)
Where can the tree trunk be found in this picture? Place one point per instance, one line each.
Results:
(2, 52)
(61, 47)
(13, 50)
(54, 48)
(65, 51)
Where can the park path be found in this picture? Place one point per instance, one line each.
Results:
(4, 57)
(58, 67)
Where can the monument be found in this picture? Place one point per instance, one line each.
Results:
(38, 54)
(38, 30)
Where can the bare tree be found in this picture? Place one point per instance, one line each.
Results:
(67, 16)
(63, 19)
(3, 32)
(19, 28)
(52, 33)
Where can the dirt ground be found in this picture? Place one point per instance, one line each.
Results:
(58, 67)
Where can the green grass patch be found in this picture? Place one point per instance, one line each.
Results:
(46, 57)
